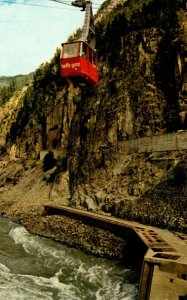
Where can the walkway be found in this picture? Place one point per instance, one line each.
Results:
(164, 271)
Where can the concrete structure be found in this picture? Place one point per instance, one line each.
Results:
(164, 142)
(164, 264)
(164, 272)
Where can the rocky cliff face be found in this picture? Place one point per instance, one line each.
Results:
(142, 92)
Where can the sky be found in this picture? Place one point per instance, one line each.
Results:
(31, 30)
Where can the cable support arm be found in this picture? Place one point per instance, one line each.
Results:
(88, 30)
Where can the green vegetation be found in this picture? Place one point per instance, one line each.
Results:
(132, 7)
(75, 35)
(39, 99)
(10, 85)
(6, 92)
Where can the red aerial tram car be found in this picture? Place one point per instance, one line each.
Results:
(78, 58)
(79, 63)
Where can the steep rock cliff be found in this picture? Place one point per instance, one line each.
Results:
(142, 92)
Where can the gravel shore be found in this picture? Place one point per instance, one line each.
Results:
(23, 193)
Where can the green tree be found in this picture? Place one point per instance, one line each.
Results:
(6, 92)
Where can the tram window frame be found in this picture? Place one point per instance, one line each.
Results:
(84, 50)
(90, 55)
(73, 47)
(94, 59)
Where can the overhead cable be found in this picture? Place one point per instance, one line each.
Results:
(32, 4)
(41, 5)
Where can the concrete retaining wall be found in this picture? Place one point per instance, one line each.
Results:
(165, 142)
(158, 143)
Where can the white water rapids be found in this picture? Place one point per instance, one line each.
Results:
(32, 267)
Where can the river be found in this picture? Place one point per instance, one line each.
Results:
(33, 267)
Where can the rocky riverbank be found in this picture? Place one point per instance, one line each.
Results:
(23, 193)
